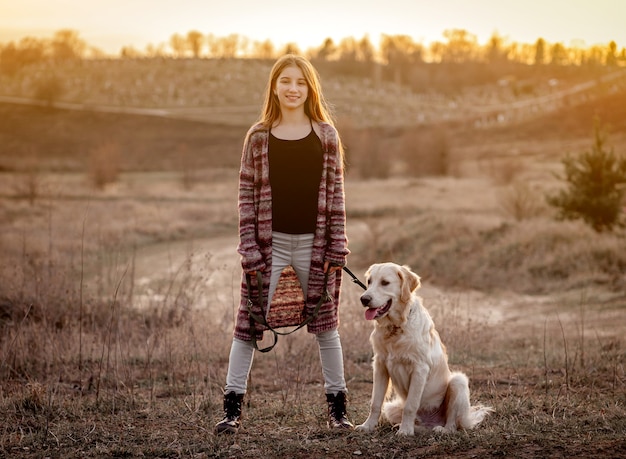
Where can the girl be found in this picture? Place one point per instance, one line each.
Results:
(291, 213)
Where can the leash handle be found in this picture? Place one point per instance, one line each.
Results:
(255, 318)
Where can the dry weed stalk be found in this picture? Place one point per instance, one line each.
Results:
(566, 356)
(106, 343)
(31, 181)
(520, 201)
(503, 171)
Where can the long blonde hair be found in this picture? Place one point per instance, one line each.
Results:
(315, 107)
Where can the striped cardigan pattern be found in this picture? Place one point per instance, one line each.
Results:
(255, 232)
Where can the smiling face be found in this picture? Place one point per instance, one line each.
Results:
(389, 289)
(291, 88)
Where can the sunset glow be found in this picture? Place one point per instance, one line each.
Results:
(110, 25)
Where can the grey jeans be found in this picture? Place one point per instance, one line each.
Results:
(294, 250)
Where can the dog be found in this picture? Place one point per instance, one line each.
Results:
(408, 352)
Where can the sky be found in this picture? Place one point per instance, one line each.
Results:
(111, 24)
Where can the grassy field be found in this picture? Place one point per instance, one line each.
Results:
(117, 298)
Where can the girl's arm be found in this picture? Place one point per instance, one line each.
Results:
(337, 240)
(251, 259)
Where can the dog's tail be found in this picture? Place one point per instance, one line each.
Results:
(475, 416)
(462, 413)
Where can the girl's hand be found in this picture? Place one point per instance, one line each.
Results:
(333, 268)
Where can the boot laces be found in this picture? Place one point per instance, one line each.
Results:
(232, 406)
(338, 406)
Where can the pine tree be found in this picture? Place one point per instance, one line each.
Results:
(596, 182)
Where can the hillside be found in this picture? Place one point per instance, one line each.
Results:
(64, 137)
(62, 140)
(231, 91)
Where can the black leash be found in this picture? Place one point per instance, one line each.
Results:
(354, 278)
(261, 318)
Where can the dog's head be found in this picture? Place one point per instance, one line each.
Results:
(389, 290)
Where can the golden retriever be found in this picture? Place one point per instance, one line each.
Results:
(409, 353)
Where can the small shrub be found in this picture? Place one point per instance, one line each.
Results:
(520, 201)
(426, 153)
(104, 165)
(596, 183)
(30, 183)
(49, 89)
(189, 176)
(365, 156)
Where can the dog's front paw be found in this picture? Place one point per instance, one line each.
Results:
(366, 427)
(444, 430)
(407, 430)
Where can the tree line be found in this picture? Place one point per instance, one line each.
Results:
(455, 62)
(458, 46)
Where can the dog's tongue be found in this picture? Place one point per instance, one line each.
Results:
(370, 313)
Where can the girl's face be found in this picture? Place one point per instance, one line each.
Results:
(291, 88)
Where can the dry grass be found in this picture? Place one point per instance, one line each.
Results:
(149, 386)
(126, 353)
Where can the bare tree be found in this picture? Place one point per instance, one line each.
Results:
(401, 53)
(230, 45)
(365, 50)
(521, 52)
(129, 52)
(14, 57)
(67, 45)
(226, 47)
(576, 53)
(178, 45)
(327, 50)
(594, 56)
(347, 49)
(558, 54)
(495, 51)
(461, 47)
(263, 50)
(194, 42)
(214, 45)
(400, 49)
(155, 51)
(32, 50)
(540, 51)
(291, 48)
(611, 57)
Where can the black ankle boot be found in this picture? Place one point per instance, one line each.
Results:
(337, 418)
(232, 412)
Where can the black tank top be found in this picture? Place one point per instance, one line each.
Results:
(295, 173)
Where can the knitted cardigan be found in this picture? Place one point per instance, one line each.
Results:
(255, 232)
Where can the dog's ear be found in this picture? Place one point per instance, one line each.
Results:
(409, 281)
